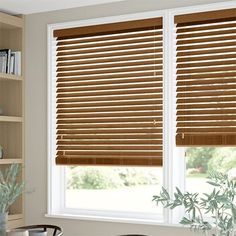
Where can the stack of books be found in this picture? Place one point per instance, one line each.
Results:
(10, 62)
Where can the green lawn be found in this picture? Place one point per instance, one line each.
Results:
(200, 175)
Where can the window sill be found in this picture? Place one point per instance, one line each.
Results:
(157, 222)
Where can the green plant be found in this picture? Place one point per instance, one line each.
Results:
(135, 177)
(1, 151)
(10, 189)
(107, 178)
(224, 160)
(93, 178)
(198, 158)
(220, 204)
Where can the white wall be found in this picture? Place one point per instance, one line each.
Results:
(36, 115)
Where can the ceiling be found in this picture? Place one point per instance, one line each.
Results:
(34, 6)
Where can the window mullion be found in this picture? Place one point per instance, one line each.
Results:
(167, 108)
(174, 164)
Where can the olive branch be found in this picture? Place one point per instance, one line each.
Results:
(10, 189)
(220, 204)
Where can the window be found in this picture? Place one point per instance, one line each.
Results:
(108, 113)
(136, 105)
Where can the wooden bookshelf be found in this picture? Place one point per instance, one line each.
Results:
(9, 77)
(15, 216)
(11, 119)
(8, 161)
(12, 106)
(11, 22)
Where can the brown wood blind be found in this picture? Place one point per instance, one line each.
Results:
(206, 78)
(109, 94)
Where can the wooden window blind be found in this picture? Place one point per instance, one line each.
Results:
(109, 94)
(206, 78)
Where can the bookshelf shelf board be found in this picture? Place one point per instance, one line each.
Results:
(9, 22)
(15, 216)
(6, 77)
(10, 119)
(10, 161)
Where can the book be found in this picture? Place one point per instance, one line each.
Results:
(3, 60)
(10, 62)
(17, 62)
(6, 53)
(2, 63)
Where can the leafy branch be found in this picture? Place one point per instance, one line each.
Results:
(220, 203)
(10, 189)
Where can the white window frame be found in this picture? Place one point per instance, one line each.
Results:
(173, 167)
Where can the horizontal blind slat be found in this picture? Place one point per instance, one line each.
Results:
(207, 75)
(120, 97)
(207, 69)
(102, 43)
(111, 49)
(207, 124)
(110, 161)
(206, 82)
(110, 125)
(206, 94)
(110, 142)
(109, 87)
(110, 109)
(109, 103)
(112, 65)
(206, 100)
(209, 106)
(61, 83)
(114, 131)
(114, 37)
(206, 64)
(149, 153)
(206, 34)
(111, 54)
(205, 46)
(112, 147)
(205, 52)
(104, 114)
(112, 137)
(207, 130)
(107, 60)
(209, 118)
(129, 118)
(204, 112)
(206, 40)
(110, 92)
(113, 70)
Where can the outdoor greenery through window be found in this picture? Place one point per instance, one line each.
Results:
(128, 189)
(200, 161)
(132, 188)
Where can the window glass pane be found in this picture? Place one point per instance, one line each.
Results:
(125, 189)
(201, 161)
